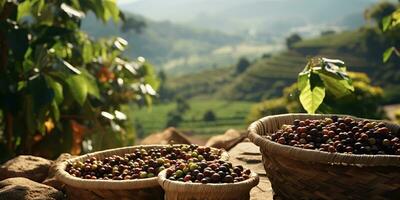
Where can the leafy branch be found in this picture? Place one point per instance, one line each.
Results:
(321, 76)
(50, 69)
(391, 23)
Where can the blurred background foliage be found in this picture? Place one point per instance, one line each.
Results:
(61, 90)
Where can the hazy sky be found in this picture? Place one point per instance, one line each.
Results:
(130, 1)
(126, 1)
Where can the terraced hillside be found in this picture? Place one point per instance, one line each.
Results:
(361, 50)
(200, 84)
(265, 78)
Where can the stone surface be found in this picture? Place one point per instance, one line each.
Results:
(226, 141)
(168, 136)
(24, 189)
(248, 155)
(31, 167)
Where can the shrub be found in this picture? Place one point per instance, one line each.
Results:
(209, 116)
(242, 65)
(292, 39)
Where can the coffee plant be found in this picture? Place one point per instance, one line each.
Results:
(322, 76)
(59, 88)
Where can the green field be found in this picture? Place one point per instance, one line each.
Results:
(230, 114)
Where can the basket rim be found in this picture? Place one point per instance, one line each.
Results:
(186, 187)
(68, 179)
(309, 155)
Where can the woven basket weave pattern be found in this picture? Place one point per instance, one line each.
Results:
(78, 188)
(309, 174)
(175, 190)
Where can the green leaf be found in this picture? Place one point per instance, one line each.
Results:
(94, 5)
(386, 55)
(76, 4)
(302, 80)
(87, 52)
(312, 94)
(338, 87)
(21, 85)
(2, 2)
(58, 89)
(386, 21)
(111, 10)
(55, 111)
(40, 7)
(78, 88)
(91, 84)
(24, 9)
(150, 76)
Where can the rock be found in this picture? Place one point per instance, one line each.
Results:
(31, 167)
(51, 180)
(226, 141)
(24, 189)
(248, 154)
(168, 136)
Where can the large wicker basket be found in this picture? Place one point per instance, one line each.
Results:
(175, 190)
(297, 173)
(77, 188)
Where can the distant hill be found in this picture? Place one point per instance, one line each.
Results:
(256, 17)
(179, 49)
(266, 77)
(188, 36)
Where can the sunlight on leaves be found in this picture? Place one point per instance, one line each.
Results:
(71, 11)
(78, 88)
(386, 55)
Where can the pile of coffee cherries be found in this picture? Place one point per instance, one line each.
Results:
(343, 135)
(216, 171)
(142, 163)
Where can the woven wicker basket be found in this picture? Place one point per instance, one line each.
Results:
(297, 173)
(77, 188)
(175, 190)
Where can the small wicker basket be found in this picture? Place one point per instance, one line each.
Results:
(175, 190)
(78, 188)
(297, 173)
